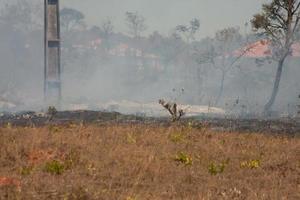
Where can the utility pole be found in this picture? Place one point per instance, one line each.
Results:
(298, 113)
(52, 68)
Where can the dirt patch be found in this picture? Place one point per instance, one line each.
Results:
(6, 182)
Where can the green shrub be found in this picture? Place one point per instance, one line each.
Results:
(215, 169)
(131, 198)
(184, 158)
(25, 171)
(251, 164)
(177, 137)
(131, 139)
(54, 129)
(55, 167)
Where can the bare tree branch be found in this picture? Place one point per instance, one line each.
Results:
(296, 9)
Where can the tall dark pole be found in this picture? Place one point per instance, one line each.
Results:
(52, 70)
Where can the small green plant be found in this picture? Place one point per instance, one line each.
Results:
(222, 142)
(27, 170)
(131, 198)
(250, 164)
(177, 137)
(215, 169)
(54, 129)
(54, 167)
(184, 158)
(131, 139)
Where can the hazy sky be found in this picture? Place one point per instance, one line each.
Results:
(163, 15)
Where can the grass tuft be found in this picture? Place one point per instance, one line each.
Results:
(250, 164)
(184, 158)
(55, 167)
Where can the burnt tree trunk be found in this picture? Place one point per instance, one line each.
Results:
(272, 99)
(221, 90)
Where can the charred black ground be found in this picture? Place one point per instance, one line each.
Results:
(284, 126)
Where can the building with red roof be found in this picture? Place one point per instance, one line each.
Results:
(262, 49)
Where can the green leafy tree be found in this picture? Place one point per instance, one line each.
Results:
(279, 21)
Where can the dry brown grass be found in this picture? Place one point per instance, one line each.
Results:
(136, 162)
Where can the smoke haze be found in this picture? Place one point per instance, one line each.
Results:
(102, 65)
(163, 15)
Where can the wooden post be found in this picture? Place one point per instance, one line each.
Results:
(52, 69)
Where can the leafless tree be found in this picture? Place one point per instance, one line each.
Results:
(279, 21)
(108, 28)
(136, 24)
(219, 53)
(173, 110)
(22, 15)
(70, 19)
(189, 31)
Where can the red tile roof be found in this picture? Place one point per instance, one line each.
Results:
(262, 48)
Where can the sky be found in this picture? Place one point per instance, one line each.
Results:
(163, 15)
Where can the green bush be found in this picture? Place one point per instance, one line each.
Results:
(215, 169)
(25, 171)
(251, 164)
(184, 158)
(177, 137)
(55, 167)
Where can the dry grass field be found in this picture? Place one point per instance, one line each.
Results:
(137, 162)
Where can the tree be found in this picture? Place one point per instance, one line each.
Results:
(136, 24)
(189, 31)
(70, 18)
(20, 51)
(107, 28)
(279, 22)
(184, 36)
(219, 54)
(22, 15)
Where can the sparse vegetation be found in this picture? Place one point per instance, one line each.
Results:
(125, 161)
(215, 169)
(131, 139)
(177, 137)
(51, 112)
(27, 170)
(115, 142)
(183, 158)
(251, 164)
(219, 168)
(54, 167)
(172, 108)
